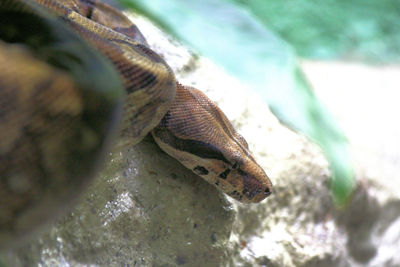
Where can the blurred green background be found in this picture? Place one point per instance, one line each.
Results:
(260, 41)
(362, 30)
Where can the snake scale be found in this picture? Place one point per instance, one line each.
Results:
(64, 65)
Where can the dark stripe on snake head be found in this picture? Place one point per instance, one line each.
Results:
(198, 148)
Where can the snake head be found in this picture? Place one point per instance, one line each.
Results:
(198, 134)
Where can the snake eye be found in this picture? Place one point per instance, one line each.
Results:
(235, 166)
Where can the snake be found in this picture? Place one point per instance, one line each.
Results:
(77, 74)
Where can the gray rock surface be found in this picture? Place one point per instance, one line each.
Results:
(139, 212)
(146, 209)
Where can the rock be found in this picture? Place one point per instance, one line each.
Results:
(139, 212)
(146, 209)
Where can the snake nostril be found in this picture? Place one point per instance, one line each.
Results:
(267, 191)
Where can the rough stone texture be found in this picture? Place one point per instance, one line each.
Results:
(148, 210)
(139, 212)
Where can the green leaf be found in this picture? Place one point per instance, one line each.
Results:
(233, 38)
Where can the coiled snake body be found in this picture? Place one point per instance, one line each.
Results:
(60, 101)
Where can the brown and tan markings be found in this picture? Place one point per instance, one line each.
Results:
(44, 107)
